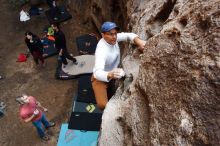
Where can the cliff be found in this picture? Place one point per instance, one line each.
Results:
(173, 97)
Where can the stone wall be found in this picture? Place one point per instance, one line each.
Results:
(179, 76)
(173, 98)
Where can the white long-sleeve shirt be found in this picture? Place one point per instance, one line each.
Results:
(107, 57)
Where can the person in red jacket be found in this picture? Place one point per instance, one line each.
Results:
(32, 111)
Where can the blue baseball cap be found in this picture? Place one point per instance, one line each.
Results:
(107, 26)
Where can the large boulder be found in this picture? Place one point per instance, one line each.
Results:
(174, 97)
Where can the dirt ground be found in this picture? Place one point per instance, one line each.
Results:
(20, 78)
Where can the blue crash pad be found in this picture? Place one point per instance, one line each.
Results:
(69, 137)
(50, 50)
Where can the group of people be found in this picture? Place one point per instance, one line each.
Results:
(106, 69)
(30, 109)
(35, 46)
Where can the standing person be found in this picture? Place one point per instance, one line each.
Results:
(54, 9)
(35, 47)
(51, 3)
(107, 59)
(60, 43)
(32, 111)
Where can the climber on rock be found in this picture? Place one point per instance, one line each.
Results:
(107, 59)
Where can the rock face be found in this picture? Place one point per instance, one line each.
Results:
(179, 76)
(174, 96)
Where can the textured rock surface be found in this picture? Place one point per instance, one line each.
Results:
(180, 78)
(174, 97)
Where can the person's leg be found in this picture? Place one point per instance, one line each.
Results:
(63, 58)
(68, 56)
(46, 123)
(35, 57)
(100, 91)
(39, 127)
(41, 58)
(36, 61)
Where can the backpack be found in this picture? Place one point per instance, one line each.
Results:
(22, 57)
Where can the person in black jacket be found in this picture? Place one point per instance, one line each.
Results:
(35, 47)
(60, 43)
